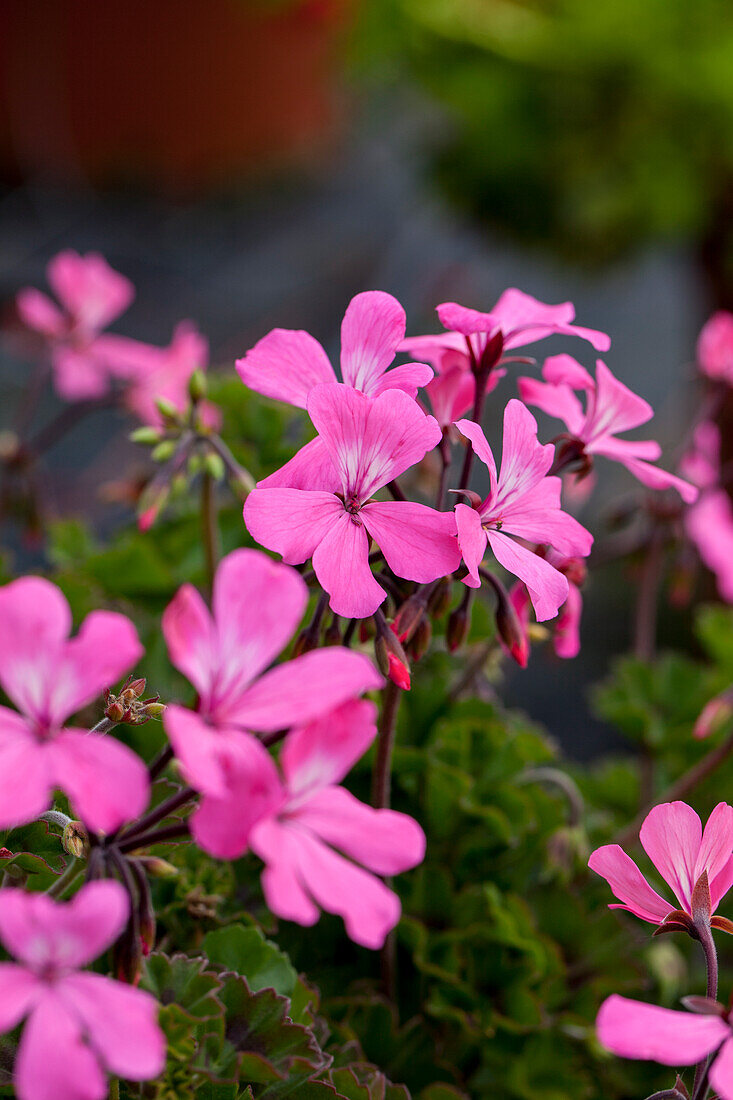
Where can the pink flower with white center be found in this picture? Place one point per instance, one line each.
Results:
(257, 606)
(315, 837)
(516, 320)
(566, 628)
(286, 365)
(91, 296)
(522, 501)
(673, 838)
(150, 372)
(715, 347)
(370, 441)
(79, 1024)
(709, 521)
(633, 1029)
(610, 407)
(49, 676)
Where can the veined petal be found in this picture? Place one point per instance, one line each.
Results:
(716, 846)
(291, 521)
(286, 365)
(616, 407)
(637, 1030)
(651, 476)
(410, 377)
(418, 542)
(555, 400)
(721, 1072)
(472, 542)
(321, 753)
(628, 884)
(467, 321)
(341, 563)
(480, 444)
(524, 460)
(565, 370)
(671, 836)
(371, 331)
(548, 588)
(309, 468)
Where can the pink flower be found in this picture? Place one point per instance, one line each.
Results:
(709, 521)
(92, 295)
(566, 628)
(516, 320)
(610, 408)
(715, 347)
(257, 605)
(370, 441)
(49, 676)
(673, 838)
(522, 501)
(453, 389)
(79, 1023)
(150, 372)
(633, 1029)
(287, 364)
(305, 816)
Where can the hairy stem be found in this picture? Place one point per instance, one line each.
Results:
(57, 888)
(155, 836)
(161, 761)
(381, 796)
(705, 934)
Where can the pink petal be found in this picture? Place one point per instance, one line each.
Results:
(458, 318)
(284, 892)
(616, 408)
(341, 563)
(291, 521)
(515, 308)
(537, 517)
(305, 688)
(190, 635)
(637, 1030)
(37, 311)
(78, 374)
(92, 291)
(323, 752)
(35, 620)
(53, 1062)
(309, 468)
(474, 433)
(565, 370)
(709, 524)
(715, 346)
(121, 1023)
(721, 884)
(371, 440)
(651, 476)
(410, 377)
(566, 638)
(383, 841)
(371, 331)
(721, 1072)
(716, 846)
(286, 365)
(628, 884)
(558, 401)
(524, 460)
(106, 647)
(472, 542)
(548, 589)
(200, 748)
(671, 837)
(418, 543)
(106, 782)
(21, 989)
(25, 775)
(452, 394)
(432, 349)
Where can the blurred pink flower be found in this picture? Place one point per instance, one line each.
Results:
(709, 521)
(257, 605)
(633, 1029)
(453, 389)
(715, 347)
(610, 408)
(522, 501)
(370, 442)
(304, 816)
(79, 1024)
(566, 627)
(286, 365)
(91, 295)
(49, 676)
(673, 838)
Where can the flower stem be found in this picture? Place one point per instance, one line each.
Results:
(482, 379)
(209, 527)
(104, 725)
(159, 813)
(70, 874)
(156, 836)
(705, 935)
(381, 797)
(161, 761)
(241, 478)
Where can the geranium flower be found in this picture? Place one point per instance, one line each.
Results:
(610, 408)
(91, 296)
(286, 365)
(78, 1024)
(715, 347)
(257, 605)
(516, 320)
(49, 676)
(306, 822)
(370, 441)
(566, 627)
(633, 1029)
(709, 521)
(522, 501)
(673, 838)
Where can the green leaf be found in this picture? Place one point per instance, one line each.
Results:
(184, 982)
(246, 951)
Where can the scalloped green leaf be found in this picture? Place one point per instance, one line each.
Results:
(246, 951)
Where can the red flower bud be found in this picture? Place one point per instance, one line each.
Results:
(459, 622)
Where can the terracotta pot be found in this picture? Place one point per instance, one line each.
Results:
(178, 93)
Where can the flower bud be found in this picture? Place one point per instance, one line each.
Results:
(114, 710)
(420, 642)
(163, 451)
(153, 709)
(366, 630)
(146, 436)
(168, 410)
(714, 716)
(399, 672)
(440, 597)
(409, 617)
(332, 635)
(459, 622)
(74, 840)
(197, 385)
(127, 955)
(214, 466)
(391, 659)
(5, 853)
(157, 867)
(509, 628)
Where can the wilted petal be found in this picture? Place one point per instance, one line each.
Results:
(286, 365)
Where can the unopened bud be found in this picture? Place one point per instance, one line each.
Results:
(491, 354)
(167, 410)
(146, 436)
(409, 617)
(440, 597)
(163, 451)
(153, 709)
(197, 385)
(392, 660)
(135, 688)
(420, 642)
(5, 853)
(75, 841)
(114, 710)
(399, 672)
(366, 630)
(459, 622)
(127, 955)
(214, 466)
(158, 868)
(151, 505)
(509, 628)
(715, 715)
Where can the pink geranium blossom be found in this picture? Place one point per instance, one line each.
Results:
(49, 676)
(673, 838)
(709, 521)
(522, 501)
(453, 389)
(304, 816)
(634, 1029)
(516, 320)
(715, 347)
(79, 1024)
(286, 365)
(257, 605)
(370, 441)
(610, 408)
(566, 628)
(91, 295)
